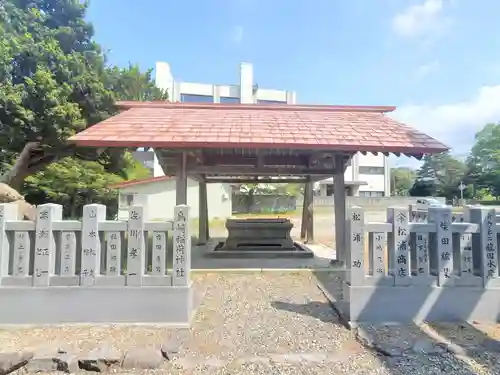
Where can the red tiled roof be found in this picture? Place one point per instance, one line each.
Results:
(194, 125)
(140, 182)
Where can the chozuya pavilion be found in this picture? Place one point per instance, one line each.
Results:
(257, 143)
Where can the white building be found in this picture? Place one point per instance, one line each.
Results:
(367, 176)
(157, 196)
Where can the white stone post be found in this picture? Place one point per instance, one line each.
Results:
(45, 245)
(399, 245)
(91, 243)
(466, 263)
(378, 243)
(488, 247)
(441, 217)
(159, 254)
(113, 253)
(8, 212)
(68, 254)
(136, 246)
(356, 246)
(182, 247)
(466, 256)
(21, 261)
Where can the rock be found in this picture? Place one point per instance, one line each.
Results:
(142, 358)
(169, 349)
(26, 210)
(491, 345)
(365, 337)
(463, 350)
(424, 346)
(13, 361)
(8, 194)
(101, 359)
(49, 362)
(388, 350)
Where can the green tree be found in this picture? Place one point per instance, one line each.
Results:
(402, 179)
(73, 183)
(54, 83)
(440, 174)
(483, 163)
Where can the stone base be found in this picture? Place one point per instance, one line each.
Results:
(298, 251)
(416, 304)
(106, 305)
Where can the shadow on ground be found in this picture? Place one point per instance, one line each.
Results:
(456, 348)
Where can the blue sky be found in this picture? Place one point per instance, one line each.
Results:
(437, 60)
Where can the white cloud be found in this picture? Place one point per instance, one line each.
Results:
(421, 20)
(455, 124)
(237, 34)
(426, 69)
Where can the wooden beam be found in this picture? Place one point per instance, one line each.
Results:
(181, 180)
(305, 204)
(255, 181)
(310, 213)
(340, 213)
(259, 160)
(253, 171)
(203, 231)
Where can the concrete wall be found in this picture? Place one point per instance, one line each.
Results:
(367, 202)
(94, 271)
(158, 197)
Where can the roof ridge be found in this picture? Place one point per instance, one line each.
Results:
(267, 107)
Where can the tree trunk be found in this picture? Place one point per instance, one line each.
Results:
(20, 170)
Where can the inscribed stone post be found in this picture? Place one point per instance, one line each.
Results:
(136, 246)
(22, 246)
(8, 212)
(91, 243)
(113, 253)
(378, 243)
(399, 249)
(159, 254)
(441, 217)
(486, 219)
(45, 246)
(182, 247)
(357, 245)
(466, 264)
(68, 253)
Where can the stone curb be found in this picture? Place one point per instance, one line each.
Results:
(101, 359)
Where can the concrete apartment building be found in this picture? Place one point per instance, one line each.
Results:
(368, 175)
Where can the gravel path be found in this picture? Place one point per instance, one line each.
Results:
(258, 323)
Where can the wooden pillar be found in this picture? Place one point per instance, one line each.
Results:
(303, 223)
(203, 230)
(340, 209)
(181, 180)
(310, 212)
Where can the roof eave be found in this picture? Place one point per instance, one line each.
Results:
(111, 142)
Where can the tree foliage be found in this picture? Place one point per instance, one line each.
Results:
(401, 180)
(483, 164)
(53, 83)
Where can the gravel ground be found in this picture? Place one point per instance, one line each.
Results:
(258, 323)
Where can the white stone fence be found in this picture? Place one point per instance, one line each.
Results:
(402, 252)
(402, 270)
(80, 262)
